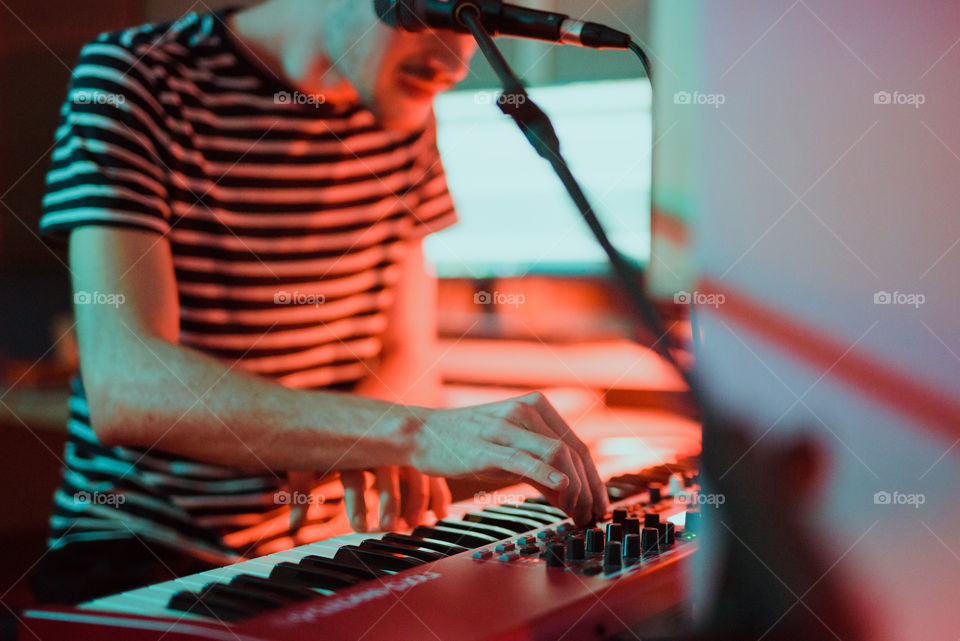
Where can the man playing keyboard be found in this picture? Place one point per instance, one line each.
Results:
(245, 194)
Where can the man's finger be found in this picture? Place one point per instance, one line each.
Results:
(354, 487)
(439, 497)
(300, 485)
(418, 494)
(387, 485)
(560, 427)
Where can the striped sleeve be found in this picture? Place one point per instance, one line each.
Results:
(434, 209)
(107, 166)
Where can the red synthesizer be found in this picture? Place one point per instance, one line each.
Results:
(510, 571)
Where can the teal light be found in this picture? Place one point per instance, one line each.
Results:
(515, 216)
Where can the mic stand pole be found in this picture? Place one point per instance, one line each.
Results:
(536, 126)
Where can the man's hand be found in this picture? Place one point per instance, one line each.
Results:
(522, 439)
(422, 493)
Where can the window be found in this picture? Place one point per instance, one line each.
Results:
(516, 218)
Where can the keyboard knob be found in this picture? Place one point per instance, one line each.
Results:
(611, 557)
(576, 549)
(614, 533)
(692, 521)
(669, 534)
(619, 515)
(594, 541)
(555, 554)
(631, 526)
(651, 519)
(654, 490)
(631, 546)
(648, 541)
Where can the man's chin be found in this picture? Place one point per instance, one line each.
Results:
(403, 116)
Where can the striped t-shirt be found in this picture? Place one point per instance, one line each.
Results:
(285, 215)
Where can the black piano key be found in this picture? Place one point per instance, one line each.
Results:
(447, 549)
(262, 600)
(375, 559)
(323, 563)
(283, 589)
(468, 540)
(210, 607)
(313, 577)
(540, 518)
(537, 500)
(496, 531)
(515, 524)
(400, 548)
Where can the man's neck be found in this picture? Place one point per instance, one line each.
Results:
(276, 38)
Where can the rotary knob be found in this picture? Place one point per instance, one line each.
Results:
(611, 558)
(555, 554)
(594, 541)
(614, 533)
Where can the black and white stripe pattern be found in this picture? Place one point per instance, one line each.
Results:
(285, 221)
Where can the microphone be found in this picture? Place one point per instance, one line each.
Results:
(499, 18)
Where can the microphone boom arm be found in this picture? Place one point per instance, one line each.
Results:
(536, 126)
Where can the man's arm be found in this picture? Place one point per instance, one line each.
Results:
(146, 390)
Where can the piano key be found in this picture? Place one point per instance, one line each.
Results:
(374, 559)
(281, 589)
(313, 577)
(514, 524)
(495, 531)
(468, 540)
(528, 515)
(191, 602)
(319, 562)
(448, 549)
(401, 548)
(539, 507)
(253, 600)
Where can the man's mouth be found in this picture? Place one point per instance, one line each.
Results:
(425, 81)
